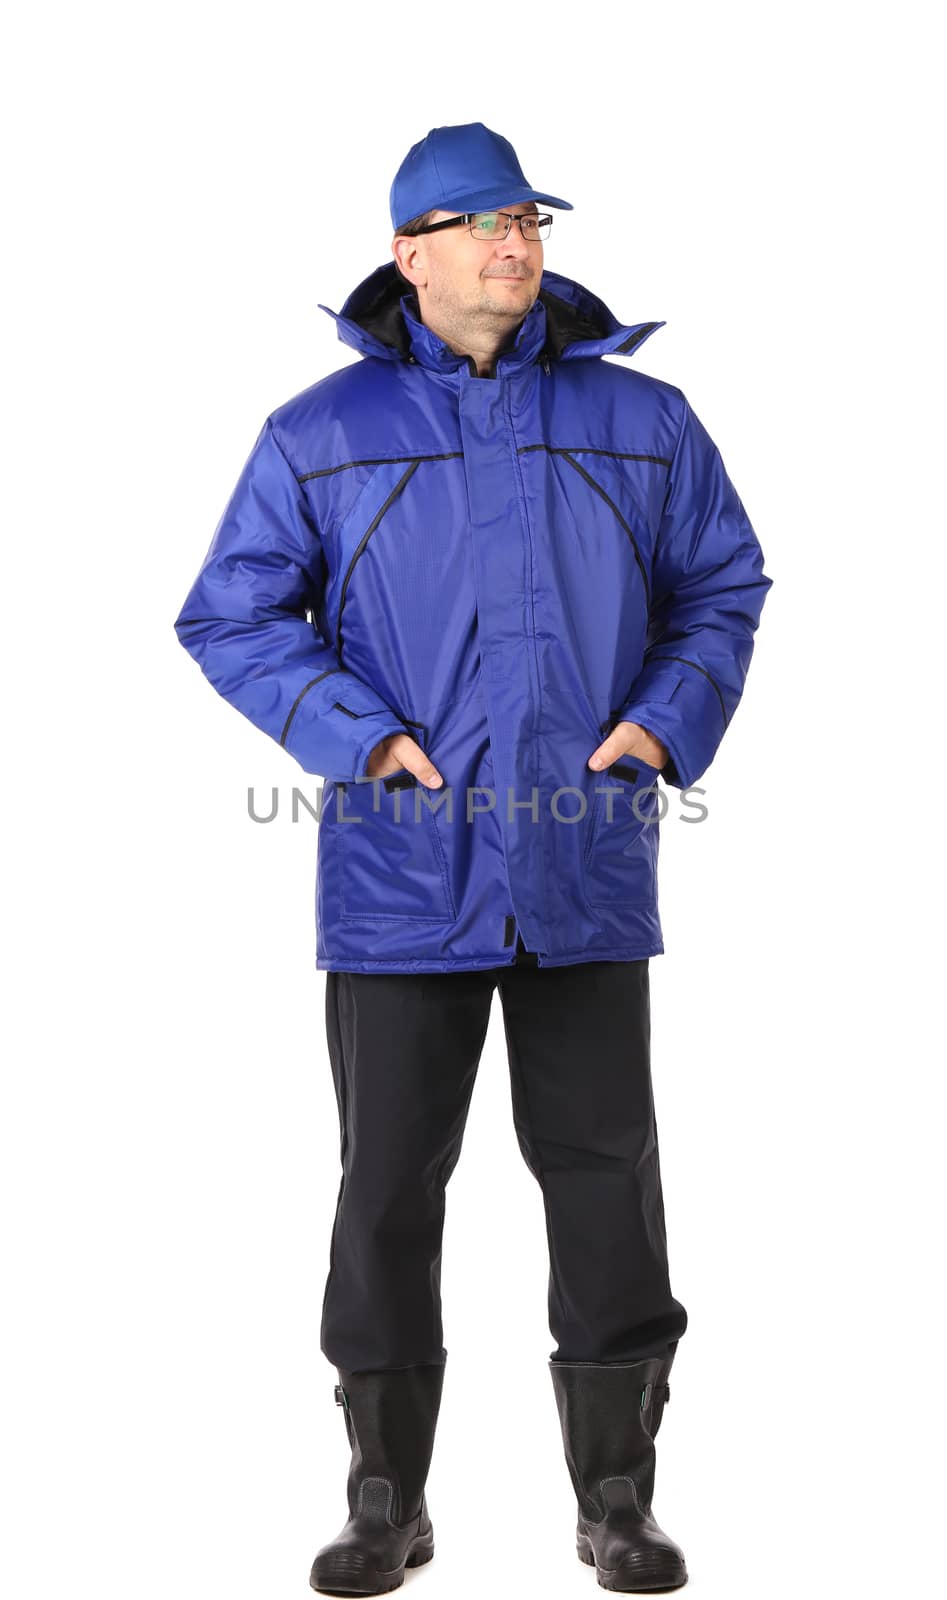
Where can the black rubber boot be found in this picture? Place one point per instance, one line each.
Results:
(610, 1414)
(390, 1417)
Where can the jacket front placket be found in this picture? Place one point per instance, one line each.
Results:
(502, 564)
(502, 551)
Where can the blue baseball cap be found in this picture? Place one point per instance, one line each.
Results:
(463, 168)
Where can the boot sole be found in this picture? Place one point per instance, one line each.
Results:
(340, 1575)
(641, 1574)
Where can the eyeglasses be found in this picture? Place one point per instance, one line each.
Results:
(493, 225)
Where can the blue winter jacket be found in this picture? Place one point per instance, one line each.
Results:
(503, 567)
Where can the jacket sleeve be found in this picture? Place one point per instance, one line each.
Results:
(708, 589)
(245, 623)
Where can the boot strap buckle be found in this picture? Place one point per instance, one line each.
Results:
(341, 1397)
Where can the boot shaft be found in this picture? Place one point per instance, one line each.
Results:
(609, 1414)
(390, 1419)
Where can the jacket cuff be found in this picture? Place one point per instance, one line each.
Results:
(333, 731)
(681, 707)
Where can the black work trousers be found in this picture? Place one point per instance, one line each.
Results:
(404, 1052)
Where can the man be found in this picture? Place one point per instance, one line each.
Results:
(485, 566)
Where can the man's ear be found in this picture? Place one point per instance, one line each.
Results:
(409, 259)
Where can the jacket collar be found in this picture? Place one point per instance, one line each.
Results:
(429, 350)
(565, 323)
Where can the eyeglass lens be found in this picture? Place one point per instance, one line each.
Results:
(497, 224)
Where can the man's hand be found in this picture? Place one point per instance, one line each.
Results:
(400, 750)
(629, 739)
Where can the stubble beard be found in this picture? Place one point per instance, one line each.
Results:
(493, 310)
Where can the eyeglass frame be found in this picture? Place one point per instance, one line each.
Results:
(467, 216)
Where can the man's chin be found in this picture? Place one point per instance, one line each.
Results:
(513, 300)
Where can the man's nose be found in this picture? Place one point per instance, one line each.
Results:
(514, 244)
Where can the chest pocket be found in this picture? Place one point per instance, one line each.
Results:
(621, 850)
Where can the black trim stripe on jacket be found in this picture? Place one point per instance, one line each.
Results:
(364, 541)
(452, 455)
(374, 461)
(610, 502)
(597, 450)
(304, 690)
(660, 656)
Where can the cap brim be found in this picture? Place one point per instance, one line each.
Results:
(485, 198)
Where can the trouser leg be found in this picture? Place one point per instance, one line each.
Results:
(578, 1039)
(404, 1052)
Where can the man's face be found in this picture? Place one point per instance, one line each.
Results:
(466, 278)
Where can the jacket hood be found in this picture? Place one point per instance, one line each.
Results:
(566, 322)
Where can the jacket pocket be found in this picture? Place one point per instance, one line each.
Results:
(621, 849)
(390, 854)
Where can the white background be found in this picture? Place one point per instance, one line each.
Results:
(183, 185)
